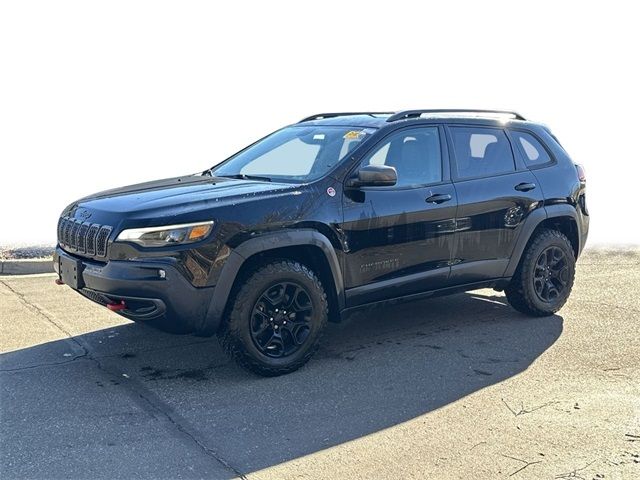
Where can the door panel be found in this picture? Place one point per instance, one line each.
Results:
(394, 234)
(494, 200)
(489, 219)
(399, 239)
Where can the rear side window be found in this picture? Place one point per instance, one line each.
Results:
(533, 152)
(481, 152)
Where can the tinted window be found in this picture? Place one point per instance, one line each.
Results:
(297, 154)
(532, 151)
(278, 161)
(481, 152)
(415, 154)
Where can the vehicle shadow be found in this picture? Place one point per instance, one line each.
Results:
(379, 368)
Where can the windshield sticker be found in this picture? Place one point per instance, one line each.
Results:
(354, 135)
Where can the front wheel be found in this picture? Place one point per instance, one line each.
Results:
(544, 278)
(276, 319)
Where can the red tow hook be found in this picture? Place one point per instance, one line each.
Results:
(59, 281)
(114, 307)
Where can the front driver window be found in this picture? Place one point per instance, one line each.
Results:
(414, 153)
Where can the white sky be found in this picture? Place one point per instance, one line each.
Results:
(95, 95)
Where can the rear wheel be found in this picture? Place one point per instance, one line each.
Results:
(276, 319)
(544, 278)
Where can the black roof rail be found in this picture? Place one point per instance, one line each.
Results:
(319, 116)
(416, 113)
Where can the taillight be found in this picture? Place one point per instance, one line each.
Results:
(581, 175)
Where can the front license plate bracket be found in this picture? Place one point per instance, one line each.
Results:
(71, 272)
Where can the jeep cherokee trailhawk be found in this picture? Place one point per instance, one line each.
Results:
(332, 213)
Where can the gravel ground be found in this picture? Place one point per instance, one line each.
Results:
(456, 387)
(22, 252)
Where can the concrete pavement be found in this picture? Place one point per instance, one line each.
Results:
(457, 387)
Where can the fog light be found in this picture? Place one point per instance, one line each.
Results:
(162, 273)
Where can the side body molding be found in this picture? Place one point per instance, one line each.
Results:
(263, 243)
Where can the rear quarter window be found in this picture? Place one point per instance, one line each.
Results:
(532, 151)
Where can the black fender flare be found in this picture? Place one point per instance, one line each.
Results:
(263, 243)
(534, 219)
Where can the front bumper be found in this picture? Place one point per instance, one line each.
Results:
(147, 290)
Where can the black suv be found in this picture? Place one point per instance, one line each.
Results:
(332, 213)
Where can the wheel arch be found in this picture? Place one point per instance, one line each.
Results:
(308, 247)
(562, 218)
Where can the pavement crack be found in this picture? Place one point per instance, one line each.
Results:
(155, 406)
(44, 365)
(574, 473)
(159, 408)
(201, 445)
(526, 464)
(39, 311)
(524, 411)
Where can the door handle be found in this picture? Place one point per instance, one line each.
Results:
(525, 187)
(439, 198)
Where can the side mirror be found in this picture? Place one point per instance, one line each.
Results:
(374, 176)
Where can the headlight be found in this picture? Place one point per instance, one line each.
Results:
(167, 234)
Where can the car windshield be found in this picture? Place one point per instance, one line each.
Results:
(297, 154)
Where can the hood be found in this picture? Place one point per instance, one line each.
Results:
(179, 195)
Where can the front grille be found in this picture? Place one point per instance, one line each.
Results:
(82, 237)
(101, 241)
(91, 239)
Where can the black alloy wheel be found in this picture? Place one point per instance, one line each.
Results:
(543, 280)
(551, 274)
(276, 319)
(281, 319)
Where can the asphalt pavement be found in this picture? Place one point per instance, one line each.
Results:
(452, 387)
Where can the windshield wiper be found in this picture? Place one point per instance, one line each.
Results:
(242, 176)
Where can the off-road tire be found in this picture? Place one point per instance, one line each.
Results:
(521, 292)
(235, 333)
